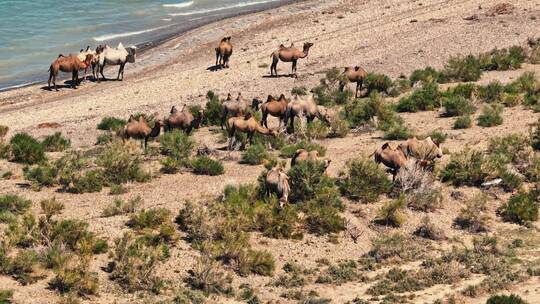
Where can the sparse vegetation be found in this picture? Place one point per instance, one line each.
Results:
(462, 122)
(392, 213)
(465, 168)
(521, 208)
(491, 116)
(120, 165)
(56, 143)
(377, 83)
(207, 166)
(255, 154)
(364, 181)
(119, 207)
(212, 110)
(504, 299)
(457, 106)
(111, 124)
(426, 98)
(473, 217)
(26, 149)
(289, 150)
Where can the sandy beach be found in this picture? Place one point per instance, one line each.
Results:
(393, 37)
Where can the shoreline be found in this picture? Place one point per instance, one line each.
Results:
(146, 47)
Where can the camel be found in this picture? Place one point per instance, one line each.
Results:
(274, 107)
(305, 106)
(424, 151)
(394, 159)
(140, 129)
(68, 64)
(249, 125)
(353, 74)
(288, 54)
(224, 52)
(302, 155)
(237, 107)
(119, 56)
(183, 120)
(277, 182)
(95, 60)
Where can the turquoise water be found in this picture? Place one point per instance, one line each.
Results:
(35, 32)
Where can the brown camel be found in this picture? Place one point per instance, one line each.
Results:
(354, 74)
(224, 52)
(70, 64)
(289, 54)
(274, 107)
(305, 106)
(249, 125)
(238, 107)
(140, 129)
(183, 120)
(302, 155)
(424, 151)
(277, 182)
(394, 159)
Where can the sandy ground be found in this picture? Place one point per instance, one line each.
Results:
(388, 36)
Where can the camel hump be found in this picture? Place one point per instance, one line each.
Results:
(385, 146)
(357, 68)
(60, 55)
(247, 116)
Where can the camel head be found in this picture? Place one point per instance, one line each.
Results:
(307, 46)
(326, 162)
(239, 96)
(255, 104)
(173, 110)
(88, 59)
(132, 50)
(323, 114)
(229, 96)
(99, 49)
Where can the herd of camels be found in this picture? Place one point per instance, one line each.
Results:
(236, 115)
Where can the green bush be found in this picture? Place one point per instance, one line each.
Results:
(503, 59)
(401, 85)
(437, 137)
(177, 144)
(504, 299)
(301, 91)
(207, 277)
(535, 136)
(377, 83)
(465, 168)
(462, 69)
(491, 116)
(364, 181)
(212, 110)
(26, 149)
(290, 150)
(205, 165)
(24, 267)
(520, 208)
(76, 279)
(396, 130)
(491, 93)
(426, 75)
(3, 131)
(391, 213)
(327, 93)
(170, 165)
(41, 175)
(13, 204)
(119, 207)
(6, 296)
(457, 106)
(119, 165)
(51, 207)
(426, 98)
(341, 273)
(255, 154)
(464, 90)
(462, 122)
(56, 143)
(317, 130)
(362, 111)
(111, 124)
(306, 180)
(89, 182)
(118, 189)
(104, 139)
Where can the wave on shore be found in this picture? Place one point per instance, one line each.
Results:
(127, 34)
(210, 10)
(179, 5)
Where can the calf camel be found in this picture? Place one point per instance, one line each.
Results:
(394, 159)
(68, 64)
(356, 74)
(288, 54)
(274, 107)
(183, 120)
(277, 182)
(303, 155)
(224, 52)
(249, 125)
(424, 151)
(95, 60)
(237, 107)
(305, 106)
(140, 129)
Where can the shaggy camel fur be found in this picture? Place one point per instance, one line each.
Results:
(424, 151)
(95, 60)
(277, 182)
(274, 107)
(302, 155)
(353, 74)
(288, 54)
(237, 107)
(68, 64)
(305, 106)
(140, 129)
(249, 125)
(224, 52)
(119, 56)
(183, 120)
(394, 159)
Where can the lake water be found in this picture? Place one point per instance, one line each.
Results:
(35, 32)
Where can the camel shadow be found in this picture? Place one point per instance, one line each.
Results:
(214, 68)
(279, 76)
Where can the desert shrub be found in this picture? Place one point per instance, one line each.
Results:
(491, 116)
(457, 106)
(120, 165)
(39, 176)
(75, 277)
(156, 219)
(396, 246)
(207, 276)
(504, 299)
(359, 111)
(511, 146)
(111, 124)
(26, 149)
(377, 83)
(437, 136)
(426, 98)
(491, 93)
(205, 165)
(473, 216)
(74, 236)
(212, 110)
(425, 75)
(70, 167)
(317, 130)
(51, 207)
(118, 189)
(430, 231)
(511, 99)
(327, 92)
(307, 179)
(340, 273)
(3, 131)
(256, 262)
(397, 130)
(401, 85)
(13, 205)
(462, 122)
(6, 296)
(418, 187)
(521, 208)
(255, 154)
(462, 69)
(535, 136)
(503, 59)
(56, 143)
(104, 139)
(339, 128)
(465, 168)
(118, 207)
(392, 213)
(322, 214)
(301, 91)
(24, 267)
(176, 144)
(364, 181)
(89, 182)
(464, 90)
(289, 150)
(134, 264)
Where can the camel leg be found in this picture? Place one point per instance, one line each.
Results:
(223, 118)
(121, 71)
(265, 119)
(217, 57)
(294, 68)
(54, 83)
(73, 80)
(341, 86)
(49, 82)
(359, 88)
(273, 68)
(101, 71)
(292, 123)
